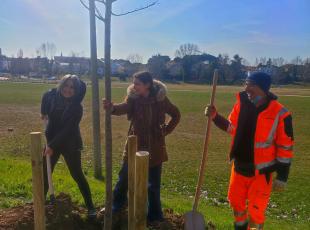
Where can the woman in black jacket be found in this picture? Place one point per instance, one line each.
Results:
(63, 110)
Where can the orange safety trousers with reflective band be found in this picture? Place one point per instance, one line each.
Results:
(271, 144)
(249, 196)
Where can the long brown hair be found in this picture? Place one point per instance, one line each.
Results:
(76, 83)
(146, 78)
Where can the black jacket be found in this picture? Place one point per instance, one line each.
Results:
(63, 131)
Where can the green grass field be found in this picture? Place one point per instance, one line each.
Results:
(19, 106)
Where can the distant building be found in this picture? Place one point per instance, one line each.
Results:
(100, 67)
(175, 69)
(73, 65)
(118, 67)
(269, 69)
(19, 65)
(43, 67)
(249, 69)
(40, 65)
(131, 68)
(200, 70)
(4, 63)
(37, 67)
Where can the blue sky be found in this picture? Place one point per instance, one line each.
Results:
(251, 28)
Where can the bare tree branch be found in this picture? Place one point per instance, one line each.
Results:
(135, 10)
(101, 1)
(98, 14)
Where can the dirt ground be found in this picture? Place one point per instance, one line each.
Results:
(67, 215)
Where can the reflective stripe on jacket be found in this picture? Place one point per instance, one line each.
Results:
(272, 143)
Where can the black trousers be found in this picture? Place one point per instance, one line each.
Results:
(73, 161)
(154, 205)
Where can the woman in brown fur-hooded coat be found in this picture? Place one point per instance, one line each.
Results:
(146, 106)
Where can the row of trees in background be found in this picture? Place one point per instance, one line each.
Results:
(47, 50)
(192, 65)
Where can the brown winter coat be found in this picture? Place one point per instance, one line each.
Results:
(148, 121)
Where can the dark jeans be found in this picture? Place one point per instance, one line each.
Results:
(73, 161)
(121, 188)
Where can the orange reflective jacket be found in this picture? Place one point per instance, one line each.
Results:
(272, 143)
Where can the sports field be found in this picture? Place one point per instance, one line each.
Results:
(20, 110)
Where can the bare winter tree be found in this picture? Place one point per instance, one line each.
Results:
(187, 49)
(135, 58)
(46, 50)
(263, 60)
(269, 62)
(226, 59)
(38, 52)
(74, 54)
(43, 50)
(306, 74)
(50, 50)
(256, 62)
(278, 61)
(107, 67)
(97, 156)
(20, 53)
(245, 62)
(307, 61)
(297, 61)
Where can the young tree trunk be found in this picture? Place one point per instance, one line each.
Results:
(108, 130)
(95, 93)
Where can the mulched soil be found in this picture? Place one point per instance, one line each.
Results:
(67, 215)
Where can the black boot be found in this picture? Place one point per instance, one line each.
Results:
(256, 226)
(239, 226)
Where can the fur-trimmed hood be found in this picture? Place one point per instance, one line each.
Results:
(160, 89)
(147, 118)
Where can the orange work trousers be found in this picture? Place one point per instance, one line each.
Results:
(249, 196)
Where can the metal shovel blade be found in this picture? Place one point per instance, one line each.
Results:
(194, 221)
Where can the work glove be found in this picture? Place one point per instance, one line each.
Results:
(278, 186)
(210, 111)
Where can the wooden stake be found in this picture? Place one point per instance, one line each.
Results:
(37, 181)
(142, 174)
(132, 149)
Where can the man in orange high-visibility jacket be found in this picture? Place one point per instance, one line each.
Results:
(262, 142)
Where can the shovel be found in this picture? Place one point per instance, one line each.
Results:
(193, 219)
(50, 180)
(49, 174)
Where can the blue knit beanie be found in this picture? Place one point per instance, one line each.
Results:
(261, 79)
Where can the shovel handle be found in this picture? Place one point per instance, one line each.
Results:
(49, 169)
(205, 149)
(49, 175)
